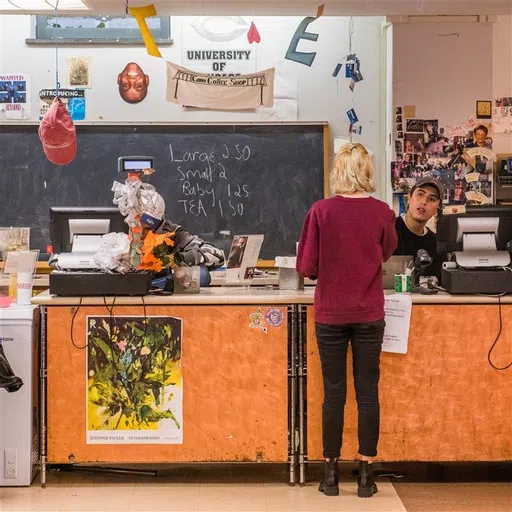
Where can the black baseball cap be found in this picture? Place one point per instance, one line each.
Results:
(431, 182)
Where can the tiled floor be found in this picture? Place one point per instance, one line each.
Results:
(242, 488)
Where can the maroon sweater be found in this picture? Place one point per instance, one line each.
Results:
(343, 243)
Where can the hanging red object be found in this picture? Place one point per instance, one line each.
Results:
(253, 36)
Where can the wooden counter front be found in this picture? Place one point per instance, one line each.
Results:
(441, 401)
(235, 388)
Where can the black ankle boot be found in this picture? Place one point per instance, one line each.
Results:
(366, 486)
(329, 485)
(8, 380)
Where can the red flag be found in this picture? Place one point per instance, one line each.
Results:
(253, 36)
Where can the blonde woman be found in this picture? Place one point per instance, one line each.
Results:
(344, 241)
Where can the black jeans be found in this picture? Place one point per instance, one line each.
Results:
(366, 340)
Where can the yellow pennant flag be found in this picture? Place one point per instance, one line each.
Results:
(140, 14)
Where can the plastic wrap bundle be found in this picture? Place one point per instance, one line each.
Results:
(127, 198)
(113, 253)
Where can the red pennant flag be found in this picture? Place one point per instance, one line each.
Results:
(253, 36)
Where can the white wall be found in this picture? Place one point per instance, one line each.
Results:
(320, 96)
(502, 72)
(444, 68)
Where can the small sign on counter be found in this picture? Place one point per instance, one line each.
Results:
(398, 309)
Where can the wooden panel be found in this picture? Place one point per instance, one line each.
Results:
(234, 379)
(442, 401)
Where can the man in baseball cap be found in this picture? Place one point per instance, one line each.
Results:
(425, 200)
(58, 135)
(188, 249)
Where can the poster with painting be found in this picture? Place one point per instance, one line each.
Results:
(134, 384)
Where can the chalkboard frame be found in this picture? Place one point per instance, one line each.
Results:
(129, 127)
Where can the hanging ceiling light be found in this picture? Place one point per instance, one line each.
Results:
(30, 6)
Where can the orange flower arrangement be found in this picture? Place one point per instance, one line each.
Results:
(155, 252)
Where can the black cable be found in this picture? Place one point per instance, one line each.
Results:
(496, 341)
(72, 325)
(111, 317)
(145, 319)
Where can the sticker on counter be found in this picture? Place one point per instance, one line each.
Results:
(274, 317)
(257, 321)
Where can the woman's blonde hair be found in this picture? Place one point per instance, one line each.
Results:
(352, 171)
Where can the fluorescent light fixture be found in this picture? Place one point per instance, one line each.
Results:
(28, 6)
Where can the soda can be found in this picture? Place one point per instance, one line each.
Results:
(403, 283)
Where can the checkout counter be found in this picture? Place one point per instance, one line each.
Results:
(252, 384)
(251, 377)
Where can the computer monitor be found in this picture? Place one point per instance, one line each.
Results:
(66, 222)
(495, 219)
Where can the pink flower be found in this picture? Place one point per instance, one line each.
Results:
(145, 351)
(122, 345)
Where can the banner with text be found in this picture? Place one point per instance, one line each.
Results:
(191, 89)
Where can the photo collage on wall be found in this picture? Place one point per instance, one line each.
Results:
(458, 156)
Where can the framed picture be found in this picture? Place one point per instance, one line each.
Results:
(484, 109)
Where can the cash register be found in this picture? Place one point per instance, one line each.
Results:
(76, 234)
(478, 244)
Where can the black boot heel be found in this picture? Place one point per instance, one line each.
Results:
(329, 485)
(366, 486)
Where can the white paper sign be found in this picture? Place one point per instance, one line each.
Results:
(15, 95)
(21, 261)
(244, 253)
(398, 320)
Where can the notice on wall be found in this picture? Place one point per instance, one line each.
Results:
(398, 309)
(74, 99)
(217, 45)
(15, 96)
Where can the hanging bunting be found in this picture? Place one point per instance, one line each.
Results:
(305, 58)
(253, 36)
(140, 14)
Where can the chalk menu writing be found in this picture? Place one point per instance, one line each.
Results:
(209, 182)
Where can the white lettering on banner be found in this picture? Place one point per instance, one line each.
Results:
(206, 184)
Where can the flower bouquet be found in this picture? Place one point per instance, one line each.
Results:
(156, 252)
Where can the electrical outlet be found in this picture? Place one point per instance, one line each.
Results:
(11, 463)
